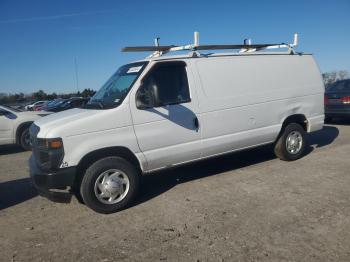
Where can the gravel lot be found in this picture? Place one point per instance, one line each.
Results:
(246, 206)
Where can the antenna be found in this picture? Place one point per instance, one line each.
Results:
(76, 73)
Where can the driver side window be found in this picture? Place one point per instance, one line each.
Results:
(171, 81)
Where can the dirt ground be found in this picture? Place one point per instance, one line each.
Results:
(246, 206)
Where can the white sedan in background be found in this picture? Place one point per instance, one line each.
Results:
(31, 106)
(14, 126)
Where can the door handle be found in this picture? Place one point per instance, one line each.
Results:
(196, 122)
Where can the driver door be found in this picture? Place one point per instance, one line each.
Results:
(169, 133)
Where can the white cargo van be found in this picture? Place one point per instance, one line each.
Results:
(165, 111)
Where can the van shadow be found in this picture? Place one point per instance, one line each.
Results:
(159, 182)
(323, 137)
(177, 114)
(15, 192)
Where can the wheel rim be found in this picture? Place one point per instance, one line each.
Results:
(111, 186)
(294, 142)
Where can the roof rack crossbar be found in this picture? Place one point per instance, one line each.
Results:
(159, 50)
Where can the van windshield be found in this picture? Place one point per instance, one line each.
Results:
(113, 92)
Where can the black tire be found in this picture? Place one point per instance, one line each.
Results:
(281, 144)
(87, 186)
(75, 190)
(25, 139)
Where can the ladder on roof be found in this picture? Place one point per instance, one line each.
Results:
(247, 47)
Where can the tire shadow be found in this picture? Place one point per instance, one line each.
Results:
(15, 192)
(323, 137)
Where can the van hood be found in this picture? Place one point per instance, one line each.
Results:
(63, 119)
(79, 121)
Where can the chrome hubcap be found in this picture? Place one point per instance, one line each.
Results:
(294, 142)
(111, 186)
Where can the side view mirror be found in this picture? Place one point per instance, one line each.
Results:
(147, 96)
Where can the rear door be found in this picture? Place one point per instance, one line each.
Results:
(168, 134)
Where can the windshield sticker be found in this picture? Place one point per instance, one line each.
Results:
(117, 100)
(134, 69)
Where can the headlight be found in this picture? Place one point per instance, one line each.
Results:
(49, 152)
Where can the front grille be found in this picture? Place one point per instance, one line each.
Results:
(43, 157)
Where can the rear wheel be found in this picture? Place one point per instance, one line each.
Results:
(25, 139)
(291, 143)
(109, 185)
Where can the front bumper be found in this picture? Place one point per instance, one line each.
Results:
(47, 181)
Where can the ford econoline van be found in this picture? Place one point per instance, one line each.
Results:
(165, 111)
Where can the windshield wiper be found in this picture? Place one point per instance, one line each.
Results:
(100, 104)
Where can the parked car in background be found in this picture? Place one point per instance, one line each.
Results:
(337, 100)
(39, 107)
(30, 107)
(52, 104)
(14, 126)
(70, 103)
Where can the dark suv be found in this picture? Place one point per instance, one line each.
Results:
(337, 100)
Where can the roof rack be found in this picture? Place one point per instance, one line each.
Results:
(246, 47)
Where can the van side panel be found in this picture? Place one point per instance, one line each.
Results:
(244, 100)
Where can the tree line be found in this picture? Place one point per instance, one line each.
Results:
(331, 77)
(21, 98)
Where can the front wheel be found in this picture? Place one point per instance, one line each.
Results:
(109, 185)
(291, 143)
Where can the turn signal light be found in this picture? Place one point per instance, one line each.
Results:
(54, 143)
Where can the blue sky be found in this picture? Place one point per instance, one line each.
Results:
(39, 40)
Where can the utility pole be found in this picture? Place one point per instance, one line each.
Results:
(76, 73)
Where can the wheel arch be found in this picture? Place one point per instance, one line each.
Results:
(298, 119)
(295, 118)
(95, 155)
